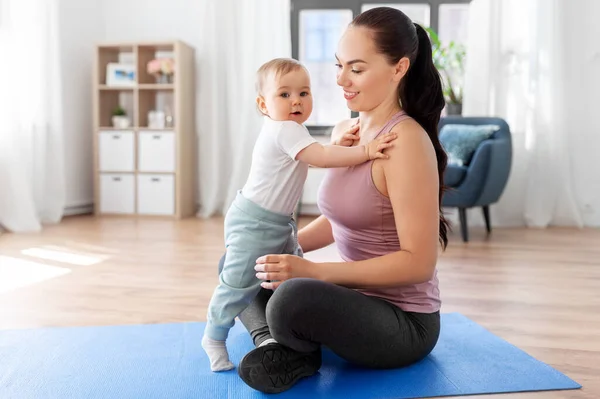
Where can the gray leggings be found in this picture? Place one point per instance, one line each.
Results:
(303, 314)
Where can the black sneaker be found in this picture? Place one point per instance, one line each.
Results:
(274, 368)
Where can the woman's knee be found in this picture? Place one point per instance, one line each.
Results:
(292, 295)
(285, 298)
(292, 302)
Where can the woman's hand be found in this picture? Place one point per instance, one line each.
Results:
(278, 268)
(350, 136)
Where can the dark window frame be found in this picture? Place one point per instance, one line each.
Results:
(354, 5)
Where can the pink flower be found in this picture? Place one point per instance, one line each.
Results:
(158, 66)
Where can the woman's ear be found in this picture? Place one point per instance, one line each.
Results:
(401, 68)
(262, 105)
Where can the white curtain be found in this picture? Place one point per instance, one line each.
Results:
(517, 69)
(243, 35)
(32, 187)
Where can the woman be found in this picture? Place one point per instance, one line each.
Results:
(380, 307)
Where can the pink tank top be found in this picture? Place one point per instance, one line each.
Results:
(363, 226)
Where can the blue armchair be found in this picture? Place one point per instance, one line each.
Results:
(481, 182)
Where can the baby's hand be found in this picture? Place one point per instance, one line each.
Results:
(375, 148)
(348, 138)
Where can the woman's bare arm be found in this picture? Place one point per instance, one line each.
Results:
(316, 235)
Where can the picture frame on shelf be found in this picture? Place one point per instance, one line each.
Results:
(120, 75)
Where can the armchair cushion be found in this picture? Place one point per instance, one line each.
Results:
(454, 174)
(461, 141)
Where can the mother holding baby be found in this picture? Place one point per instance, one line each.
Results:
(379, 308)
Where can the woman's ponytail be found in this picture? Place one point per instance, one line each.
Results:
(422, 97)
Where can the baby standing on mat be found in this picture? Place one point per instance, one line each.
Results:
(259, 221)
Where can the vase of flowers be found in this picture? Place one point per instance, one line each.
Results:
(163, 69)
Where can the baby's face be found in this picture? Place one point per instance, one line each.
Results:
(287, 98)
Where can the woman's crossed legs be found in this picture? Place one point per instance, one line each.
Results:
(303, 314)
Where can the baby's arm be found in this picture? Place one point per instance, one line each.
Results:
(333, 156)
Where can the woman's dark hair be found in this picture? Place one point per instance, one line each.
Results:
(420, 91)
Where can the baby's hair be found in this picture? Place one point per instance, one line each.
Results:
(276, 67)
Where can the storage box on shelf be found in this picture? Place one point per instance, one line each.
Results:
(140, 167)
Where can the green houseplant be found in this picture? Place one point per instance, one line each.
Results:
(119, 118)
(450, 61)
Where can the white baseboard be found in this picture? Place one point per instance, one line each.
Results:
(80, 209)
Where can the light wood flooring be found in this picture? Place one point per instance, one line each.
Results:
(537, 289)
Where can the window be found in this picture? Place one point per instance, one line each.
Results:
(419, 13)
(453, 22)
(319, 33)
(318, 24)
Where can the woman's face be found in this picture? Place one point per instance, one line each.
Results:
(366, 76)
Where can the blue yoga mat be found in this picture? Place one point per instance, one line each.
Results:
(166, 361)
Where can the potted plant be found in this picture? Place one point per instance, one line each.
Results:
(119, 118)
(449, 61)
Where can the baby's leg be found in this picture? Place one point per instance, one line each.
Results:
(238, 286)
(251, 232)
(254, 317)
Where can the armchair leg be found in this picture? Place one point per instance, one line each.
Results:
(486, 216)
(464, 229)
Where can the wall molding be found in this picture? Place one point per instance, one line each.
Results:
(78, 209)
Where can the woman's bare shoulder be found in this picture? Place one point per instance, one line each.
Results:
(408, 124)
(412, 142)
(411, 134)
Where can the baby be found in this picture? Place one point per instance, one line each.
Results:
(260, 222)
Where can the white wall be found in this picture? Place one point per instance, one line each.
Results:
(140, 20)
(81, 26)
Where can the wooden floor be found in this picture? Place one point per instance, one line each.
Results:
(538, 289)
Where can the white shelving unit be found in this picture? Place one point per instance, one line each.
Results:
(141, 170)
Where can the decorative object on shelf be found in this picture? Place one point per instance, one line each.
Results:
(120, 75)
(163, 69)
(156, 119)
(119, 118)
(450, 62)
(169, 121)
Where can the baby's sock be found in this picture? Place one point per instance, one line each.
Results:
(217, 354)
